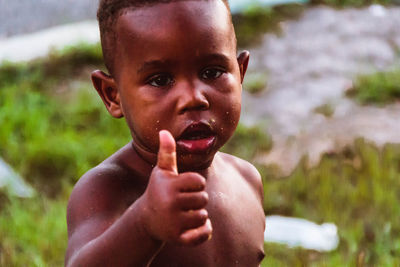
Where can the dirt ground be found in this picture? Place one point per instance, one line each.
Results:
(311, 64)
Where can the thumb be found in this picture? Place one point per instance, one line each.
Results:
(166, 158)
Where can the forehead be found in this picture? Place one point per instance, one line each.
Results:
(175, 28)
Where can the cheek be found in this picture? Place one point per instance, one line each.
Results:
(143, 123)
(231, 115)
(228, 116)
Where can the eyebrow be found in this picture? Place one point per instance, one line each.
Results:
(153, 64)
(158, 64)
(216, 57)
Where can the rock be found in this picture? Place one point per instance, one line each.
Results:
(296, 232)
(12, 183)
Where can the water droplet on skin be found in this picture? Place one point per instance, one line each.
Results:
(227, 113)
(158, 121)
(212, 120)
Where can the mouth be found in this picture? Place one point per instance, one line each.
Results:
(197, 138)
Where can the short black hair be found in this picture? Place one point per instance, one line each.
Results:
(109, 12)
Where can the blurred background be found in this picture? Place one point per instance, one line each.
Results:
(320, 120)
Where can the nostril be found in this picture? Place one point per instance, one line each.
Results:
(194, 104)
(195, 101)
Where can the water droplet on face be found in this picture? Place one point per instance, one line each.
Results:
(212, 120)
(227, 113)
(158, 121)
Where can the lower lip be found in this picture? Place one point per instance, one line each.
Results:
(196, 146)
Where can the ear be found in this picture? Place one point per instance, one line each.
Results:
(107, 89)
(243, 61)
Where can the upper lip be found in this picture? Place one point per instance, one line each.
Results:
(196, 129)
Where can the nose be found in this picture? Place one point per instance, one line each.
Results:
(192, 97)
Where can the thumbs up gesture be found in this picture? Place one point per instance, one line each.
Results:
(175, 203)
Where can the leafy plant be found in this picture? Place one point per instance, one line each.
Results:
(255, 82)
(378, 88)
(253, 22)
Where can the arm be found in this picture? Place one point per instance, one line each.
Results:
(172, 209)
(100, 233)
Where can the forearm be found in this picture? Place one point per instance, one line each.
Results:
(124, 243)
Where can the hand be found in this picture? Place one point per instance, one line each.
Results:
(175, 203)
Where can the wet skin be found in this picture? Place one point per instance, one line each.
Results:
(175, 68)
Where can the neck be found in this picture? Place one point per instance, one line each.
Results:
(149, 157)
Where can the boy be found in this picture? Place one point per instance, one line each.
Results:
(169, 198)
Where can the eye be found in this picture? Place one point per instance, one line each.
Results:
(161, 80)
(211, 73)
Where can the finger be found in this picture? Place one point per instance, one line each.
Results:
(197, 236)
(192, 201)
(190, 182)
(193, 219)
(166, 158)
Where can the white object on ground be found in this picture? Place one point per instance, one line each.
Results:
(296, 232)
(30, 46)
(377, 10)
(12, 182)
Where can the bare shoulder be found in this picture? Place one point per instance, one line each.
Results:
(100, 197)
(107, 181)
(246, 170)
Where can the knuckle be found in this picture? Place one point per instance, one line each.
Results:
(200, 217)
(202, 200)
(203, 214)
(198, 181)
(204, 196)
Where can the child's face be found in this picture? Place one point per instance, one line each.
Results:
(176, 69)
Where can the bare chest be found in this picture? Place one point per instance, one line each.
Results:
(238, 220)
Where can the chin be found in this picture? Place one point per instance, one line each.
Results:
(194, 162)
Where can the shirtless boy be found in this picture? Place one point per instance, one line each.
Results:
(169, 198)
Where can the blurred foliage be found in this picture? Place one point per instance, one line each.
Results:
(358, 190)
(326, 109)
(33, 232)
(48, 111)
(351, 3)
(253, 22)
(247, 142)
(378, 88)
(255, 82)
(54, 129)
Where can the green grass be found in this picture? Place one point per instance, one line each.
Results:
(326, 109)
(255, 82)
(378, 88)
(51, 115)
(54, 129)
(358, 190)
(247, 142)
(33, 232)
(253, 22)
